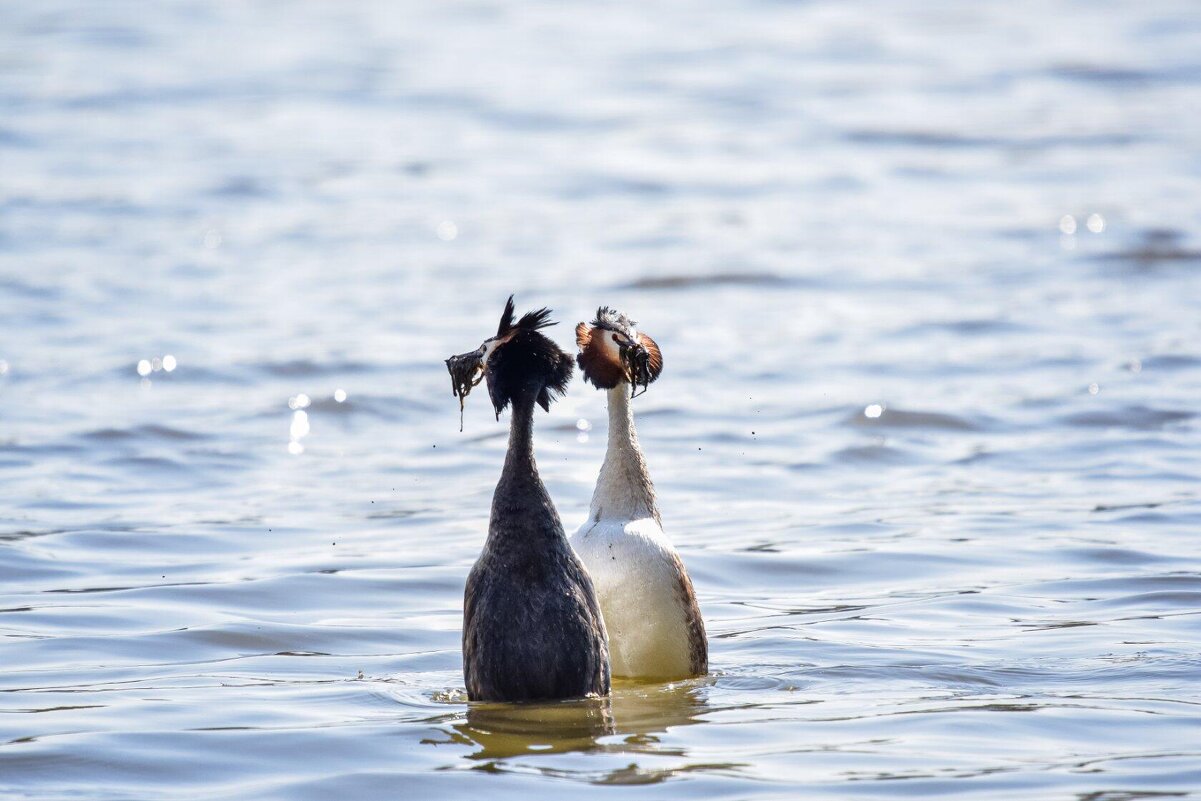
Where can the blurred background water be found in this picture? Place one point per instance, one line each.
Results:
(927, 280)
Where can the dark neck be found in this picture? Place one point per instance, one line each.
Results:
(519, 461)
(523, 515)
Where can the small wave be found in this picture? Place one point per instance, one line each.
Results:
(1171, 583)
(970, 327)
(901, 418)
(1162, 599)
(1101, 73)
(713, 279)
(949, 139)
(29, 291)
(152, 431)
(1169, 361)
(155, 464)
(240, 186)
(1157, 246)
(872, 454)
(302, 368)
(1135, 417)
(28, 534)
(1114, 556)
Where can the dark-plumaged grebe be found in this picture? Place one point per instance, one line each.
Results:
(651, 614)
(532, 628)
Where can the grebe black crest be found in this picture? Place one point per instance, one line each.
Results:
(533, 357)
(651, 612)
(532, 626)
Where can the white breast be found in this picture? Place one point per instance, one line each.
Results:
(634, 569)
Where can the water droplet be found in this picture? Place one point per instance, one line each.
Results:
(340, 395)
(873, 410)
(1067, 224)
(144, 367)
(1096, 223)
(169, 362)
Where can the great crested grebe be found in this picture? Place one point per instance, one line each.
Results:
(532, 627)
(651, 614)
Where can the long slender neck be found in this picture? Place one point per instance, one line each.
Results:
(519, 461)
(624, 489)
(523, 516)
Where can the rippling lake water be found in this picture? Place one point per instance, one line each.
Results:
(927, 280)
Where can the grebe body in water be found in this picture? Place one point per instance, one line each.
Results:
(651, 613)
(532, 627)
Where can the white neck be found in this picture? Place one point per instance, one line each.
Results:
(623, 490)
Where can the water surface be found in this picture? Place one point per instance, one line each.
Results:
(926, 279)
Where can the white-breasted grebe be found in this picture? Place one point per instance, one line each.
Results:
(532, 627)
(651, 613)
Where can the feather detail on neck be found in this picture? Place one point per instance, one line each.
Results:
(624, 490)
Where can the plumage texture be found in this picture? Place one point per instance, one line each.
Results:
(651, 613)
(532, 626)
(655, 360)
(525, 357)
(600, 367)
(612, 351)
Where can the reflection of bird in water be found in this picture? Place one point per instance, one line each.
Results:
(635, 711)
(532, 628)
(651, 613)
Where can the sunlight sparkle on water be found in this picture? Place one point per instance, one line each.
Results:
(300, 401)
(3, 367)
(447, 231)
(298, 430)
(873, 410)
(1095, 223)
(1067, 224)
(340, 395)
(157, 364)
(300, 424)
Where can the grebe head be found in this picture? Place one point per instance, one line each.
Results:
(613, 350)
(518, 358)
